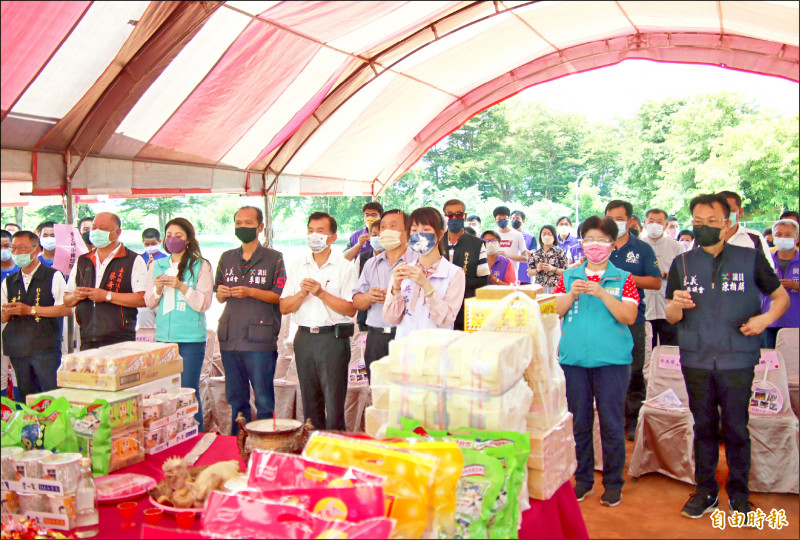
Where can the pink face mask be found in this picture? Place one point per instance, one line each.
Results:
(596, 253)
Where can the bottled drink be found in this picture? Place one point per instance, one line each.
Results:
(87, 519)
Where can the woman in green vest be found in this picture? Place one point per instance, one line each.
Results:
(597, 301)
(180, 288)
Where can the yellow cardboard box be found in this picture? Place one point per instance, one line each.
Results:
(496, 292)
(515, 319)
(118, 381)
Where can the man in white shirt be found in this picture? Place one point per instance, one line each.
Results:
(319, 295)
(512, 243)
(34, 317)
(739, 235)
(666, 250)
(106, 286)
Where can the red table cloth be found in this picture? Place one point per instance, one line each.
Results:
(558, 517)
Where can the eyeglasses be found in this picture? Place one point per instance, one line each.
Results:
(598, 241)
(456, 215)
(22, 249)
(713, 222)
(372, 216)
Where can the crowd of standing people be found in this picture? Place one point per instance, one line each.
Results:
(403, 272)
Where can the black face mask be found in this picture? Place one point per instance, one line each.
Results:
(634, 232)
(86, 240)
(516, 224)
(705, 235)
(455, 226)
(246, 234)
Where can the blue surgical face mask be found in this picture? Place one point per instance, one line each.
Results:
(99, 238)
(502, 223)
(6, 255)
(422, 243)
(22, 259)
(733, 219)
(375, 242)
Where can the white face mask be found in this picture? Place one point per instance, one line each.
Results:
(152, 250)
(655, 230)
(687, 244)
(390, 239)
(317, 242)
(622, 226)
(48, 243)
(673, 233)
(547, 240)
(6, 255)
(784, 244)
(563, 230)
(492, 248)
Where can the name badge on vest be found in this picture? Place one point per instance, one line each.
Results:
(690, 285)
(732, 282)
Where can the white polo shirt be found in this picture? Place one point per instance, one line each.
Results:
(337, 276)
(742, 239)
(138, 272)
(666, 249)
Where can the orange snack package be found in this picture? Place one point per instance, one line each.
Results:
(409, 475)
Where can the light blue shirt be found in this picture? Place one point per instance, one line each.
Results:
(377, 272)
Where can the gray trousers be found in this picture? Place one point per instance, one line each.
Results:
(322, 363)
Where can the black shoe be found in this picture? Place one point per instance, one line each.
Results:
(581, 492)
(611, 497)
(630, 433)
(698, 505)
(742, 505)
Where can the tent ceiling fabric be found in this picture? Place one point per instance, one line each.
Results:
(307, 98)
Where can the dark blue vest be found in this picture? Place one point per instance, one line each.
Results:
(709, 335)
(23, 336)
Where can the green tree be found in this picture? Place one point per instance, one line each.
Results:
(132, 211)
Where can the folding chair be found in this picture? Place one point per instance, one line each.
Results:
(787, 345)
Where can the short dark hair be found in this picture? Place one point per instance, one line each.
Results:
(471, 231)
(372, 205)
(151, 233)
(788, 214)
(656, 211)
(322, 215)
(13, 225)
(618, 203)
(454, 201)
(493, 233)
(30, 235)
(259, 213)
(501, 211)
(87, 218)
(397, 211)
(5, 234)
(520, 212)
(45, 225)
(564, 217)
(552, 230)
(709, 199)
(473, 216)
(427, 215)
(638, 219)
(767, 231)
(604, 224)
(686, 231)
(376, 223)
(671, 218)
(731, 195)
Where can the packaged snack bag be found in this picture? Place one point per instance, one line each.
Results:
(408, 475)
(272, 470)
(477, 492)
(442, 503)
(35, 429)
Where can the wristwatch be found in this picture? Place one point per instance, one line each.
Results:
(33, 310)
(108, 297)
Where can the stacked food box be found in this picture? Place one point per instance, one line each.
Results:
(116, 386)
(523, 310)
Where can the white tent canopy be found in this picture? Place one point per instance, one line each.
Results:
(308, 98)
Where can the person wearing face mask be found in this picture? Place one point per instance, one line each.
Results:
(47, 239)
(673, 226)
(7, 264)
(179, 289)
(518, 224)
(466, 251)
(361, 260)
(85, 227)
(635, 225)
(666, 249)
(713, 297)
(428, 293)
(106, 286)
(598, 303)
(547, 263)
(787, 266)
(566, 239)
(359, 240)
(686, 238)
(738, 234)
(503, 270)
(634, 256)
(151, 240)
(33, 314)
(319, 295)
(249, 280)
(767, 234)
(369, 294)
(512, 244)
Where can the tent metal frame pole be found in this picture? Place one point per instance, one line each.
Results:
(70, 221)
(269, 204)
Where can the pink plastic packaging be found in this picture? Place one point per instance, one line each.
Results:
(273, 470)
(121, 486)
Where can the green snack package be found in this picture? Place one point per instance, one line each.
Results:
(35, 428)
(93, 429)
(477, 493)
(505, 512)
(9, 409)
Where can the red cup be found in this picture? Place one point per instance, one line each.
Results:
(185, 519)
(153, 516)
